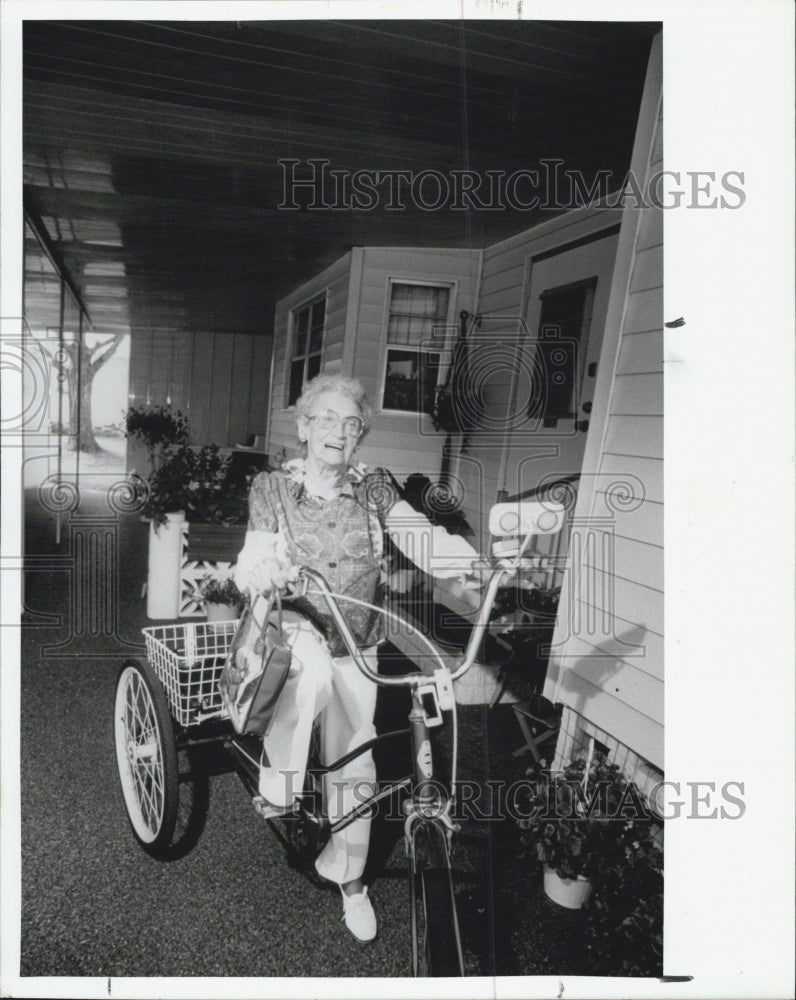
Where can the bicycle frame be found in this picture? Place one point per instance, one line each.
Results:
(417, 719)
(428, 827)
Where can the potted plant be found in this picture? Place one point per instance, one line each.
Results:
(221, 598)
(191, 480)
(157, 428)
(181, 477)
(183, 484)
(160, 430)
(576, 823)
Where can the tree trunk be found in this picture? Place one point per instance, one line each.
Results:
(90, 360)
(81, 427)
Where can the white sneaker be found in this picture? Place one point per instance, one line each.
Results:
(358, 915)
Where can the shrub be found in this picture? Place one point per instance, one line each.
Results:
(217, 590)
(188, 479)
(597, 826)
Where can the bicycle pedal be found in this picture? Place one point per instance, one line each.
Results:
(265, 809)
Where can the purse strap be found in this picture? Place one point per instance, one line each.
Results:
(274, 600)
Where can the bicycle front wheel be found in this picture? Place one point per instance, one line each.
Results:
(146, 757)
(440, 946)
(436, 943)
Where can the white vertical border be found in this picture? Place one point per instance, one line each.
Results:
(728, 90)
(11, 507)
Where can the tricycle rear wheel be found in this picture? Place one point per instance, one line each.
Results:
(146, 756)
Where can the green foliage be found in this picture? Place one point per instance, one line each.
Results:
(158, 428)
(217, 590)
(194, 480)
(188, 479)
(444, 416)
(609, 836)
(578, 826)
(402, 392)
(624, 928)
(542, 601)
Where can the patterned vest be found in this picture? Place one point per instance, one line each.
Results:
(340, 538)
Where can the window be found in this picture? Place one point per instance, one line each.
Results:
(416, 331)
(563, 332)
(305, 358)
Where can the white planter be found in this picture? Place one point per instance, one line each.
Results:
(569, 892)
(220, 612)
(164, 586)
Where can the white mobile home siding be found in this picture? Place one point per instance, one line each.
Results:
(355, 343)
(607, 661)
(504, 300)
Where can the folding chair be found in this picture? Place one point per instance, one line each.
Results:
(539, 720)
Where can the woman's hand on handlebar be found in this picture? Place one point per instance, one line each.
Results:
(482, 570)
(468, 587)
(271, 574)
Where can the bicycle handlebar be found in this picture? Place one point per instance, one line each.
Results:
(477, 634)
(416, 677)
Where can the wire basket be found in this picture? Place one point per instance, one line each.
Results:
(188, 658)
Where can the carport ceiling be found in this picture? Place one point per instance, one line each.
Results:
(151, 150)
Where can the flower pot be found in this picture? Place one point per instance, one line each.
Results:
(569, 892)
(221, 612)
(164, 586)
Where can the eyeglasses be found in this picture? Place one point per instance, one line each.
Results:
(328, 420)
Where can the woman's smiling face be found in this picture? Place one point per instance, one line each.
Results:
(330, 447)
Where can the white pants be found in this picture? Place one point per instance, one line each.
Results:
(346, 702)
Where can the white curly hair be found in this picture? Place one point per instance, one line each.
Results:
(350, 387)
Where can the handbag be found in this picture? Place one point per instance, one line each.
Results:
(256, 667)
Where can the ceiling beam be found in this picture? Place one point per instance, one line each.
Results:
(143, 209)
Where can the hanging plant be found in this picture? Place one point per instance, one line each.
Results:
(158, 428)
(457, 401)
(181, 477)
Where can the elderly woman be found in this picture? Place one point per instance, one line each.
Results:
(321, 511)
